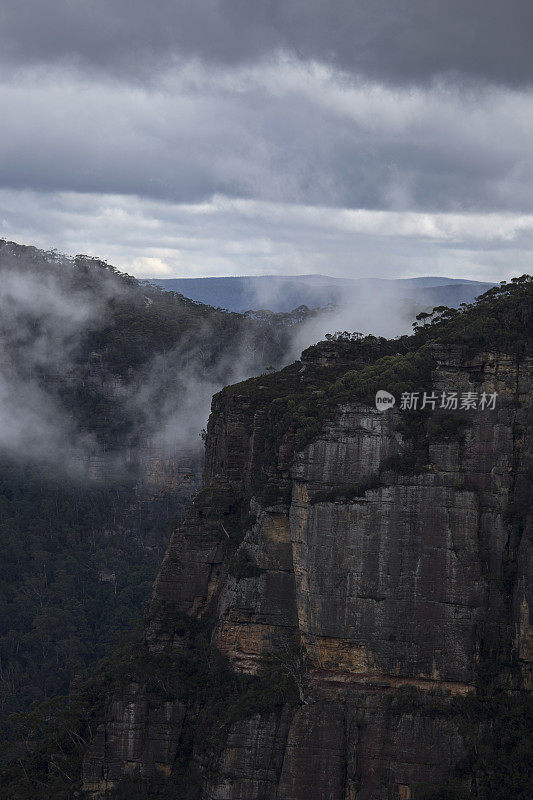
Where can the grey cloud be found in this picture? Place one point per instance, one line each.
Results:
(391, 40)
(145, 237)
(279, 132)
(40, 327)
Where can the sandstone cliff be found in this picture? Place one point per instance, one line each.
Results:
(376, 564)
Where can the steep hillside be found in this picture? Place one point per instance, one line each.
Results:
(345, 611)
(104, 388)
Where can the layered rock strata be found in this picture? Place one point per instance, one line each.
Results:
(403, 587)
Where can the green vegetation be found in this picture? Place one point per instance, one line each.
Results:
(50, 741)
(299, 401)
(79, 558)
(76, 565)
(52, 737)
(497, 320)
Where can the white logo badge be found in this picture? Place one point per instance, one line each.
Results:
(384, 400)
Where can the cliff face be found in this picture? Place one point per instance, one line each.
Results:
(384, 573)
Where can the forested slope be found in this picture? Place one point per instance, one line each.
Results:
(104, 388)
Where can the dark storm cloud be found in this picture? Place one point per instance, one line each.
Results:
(277, 132)
(204, 113)
(399, 41)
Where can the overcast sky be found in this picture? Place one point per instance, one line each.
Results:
(223, 137)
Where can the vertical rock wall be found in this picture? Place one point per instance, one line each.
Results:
(404, 586)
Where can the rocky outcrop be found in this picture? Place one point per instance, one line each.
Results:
(350, 749)
(140, 737)
(397, 580)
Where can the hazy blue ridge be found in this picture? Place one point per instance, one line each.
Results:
(281, 294)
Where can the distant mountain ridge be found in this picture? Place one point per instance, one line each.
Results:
(280, 294)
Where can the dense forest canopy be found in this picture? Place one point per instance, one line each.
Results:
(102, 382)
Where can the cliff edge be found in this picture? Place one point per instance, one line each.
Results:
(345, 614)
